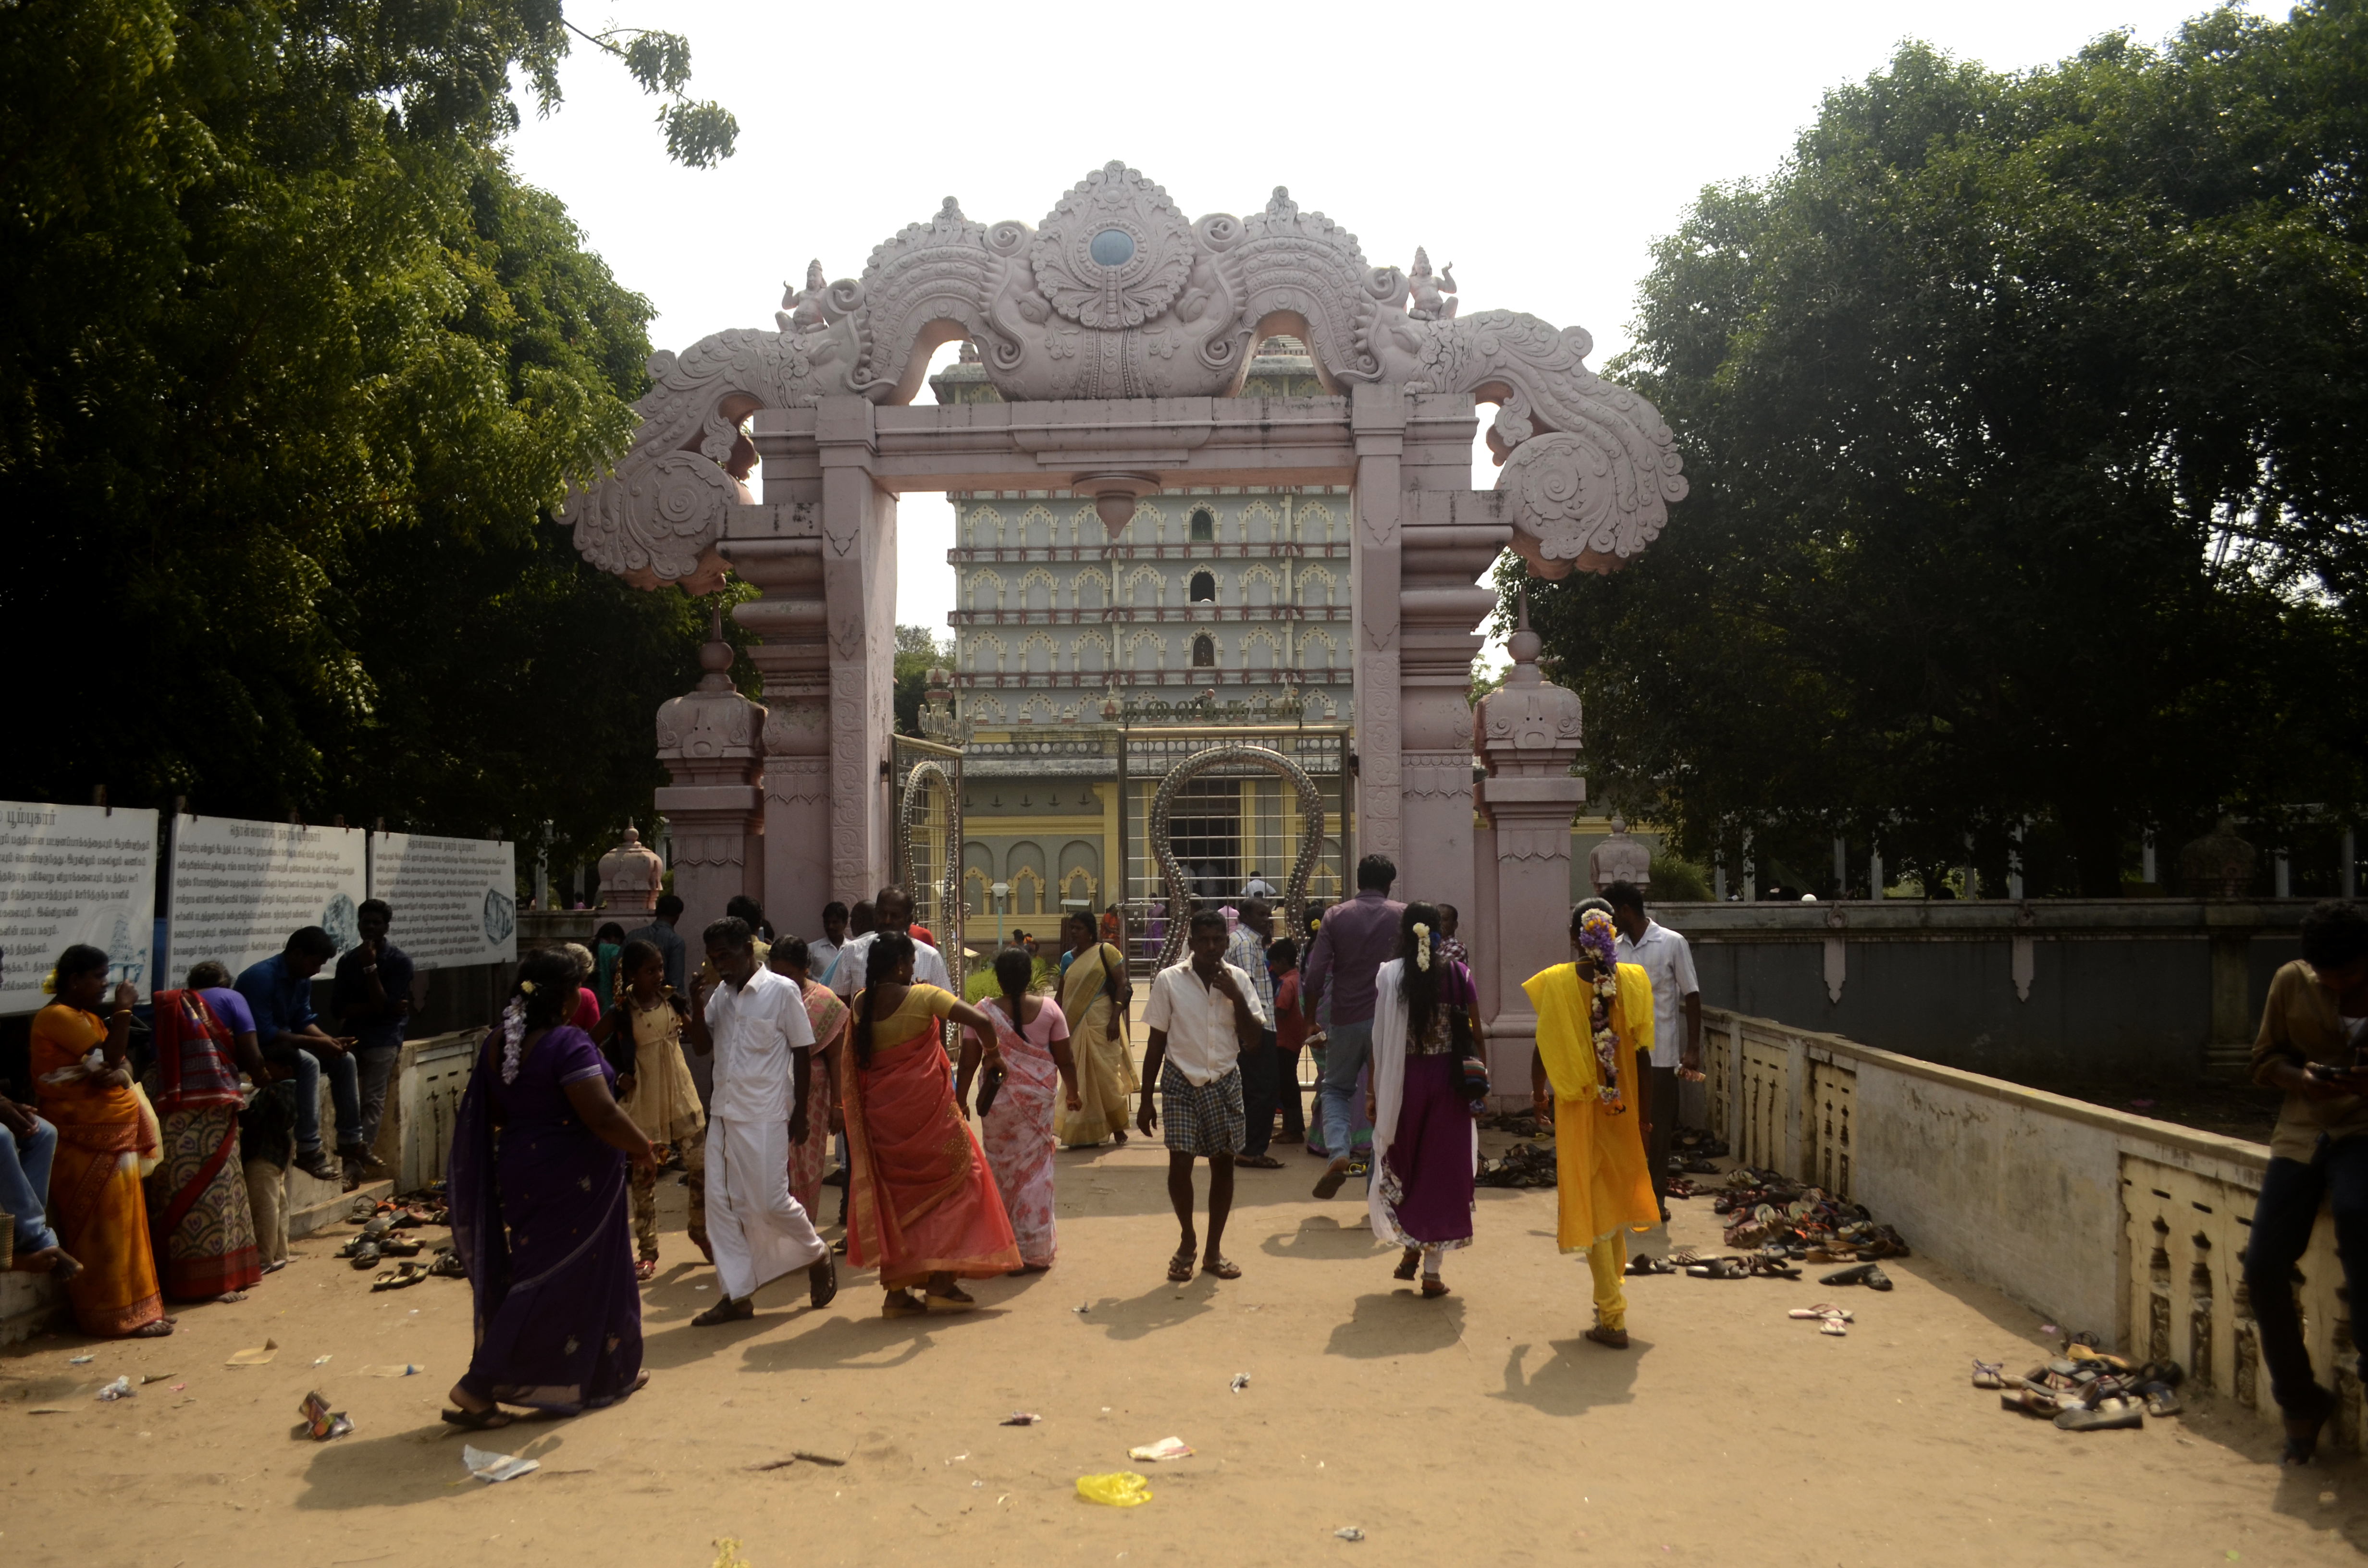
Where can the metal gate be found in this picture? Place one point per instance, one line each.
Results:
(926, 778)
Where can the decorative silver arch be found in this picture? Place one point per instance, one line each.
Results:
(1117, 295)
(946, 920)
(1180, 887)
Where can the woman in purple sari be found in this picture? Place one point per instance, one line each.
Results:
(539, 1199)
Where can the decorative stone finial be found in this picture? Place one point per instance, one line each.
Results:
(2218, 865)
(631, 874)
(1528, 726)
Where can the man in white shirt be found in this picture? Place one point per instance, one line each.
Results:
(1202, 1015)
(1669, 962)
(823, 956)
(755, 1022)
(892, 909)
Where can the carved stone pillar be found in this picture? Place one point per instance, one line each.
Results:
(859, 574)
(1449, 538)
(1528, 737)
(708, 740)
(1378, 420)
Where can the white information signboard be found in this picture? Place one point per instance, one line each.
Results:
(73, 874)
(239, 888)
(452, 897)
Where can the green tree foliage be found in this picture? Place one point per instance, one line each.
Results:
(917, 652)
(293, 373)
(2023, 419)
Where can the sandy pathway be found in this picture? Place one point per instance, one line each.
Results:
(1479, 1428)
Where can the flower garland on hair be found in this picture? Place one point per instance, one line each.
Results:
(1596, 940)
(1422, 947)
(514, 1031)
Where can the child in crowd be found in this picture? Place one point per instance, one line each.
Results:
(642, 1036)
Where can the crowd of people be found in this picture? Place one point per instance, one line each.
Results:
(746, 1069)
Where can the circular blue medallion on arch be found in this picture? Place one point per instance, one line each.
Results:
(1111, 247)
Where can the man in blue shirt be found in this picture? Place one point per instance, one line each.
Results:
(660, 934)
(279, 991)
(373, 997)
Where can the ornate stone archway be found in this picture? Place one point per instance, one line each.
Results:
(1116, 331)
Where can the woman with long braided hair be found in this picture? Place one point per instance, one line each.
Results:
(1426, 1145)
(922, 1205)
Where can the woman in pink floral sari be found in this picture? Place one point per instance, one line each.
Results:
(1032, 1049)
(828, 1016)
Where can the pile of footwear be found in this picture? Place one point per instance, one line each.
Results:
(384, 1223)
(1523, 1164)
(1695, 1152)
(1770, 1212)
(2087, 1390)
(1519, 1123)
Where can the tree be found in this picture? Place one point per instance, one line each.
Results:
(294, 373)
(917, 652)
(2020, 414)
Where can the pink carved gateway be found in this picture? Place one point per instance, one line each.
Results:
(1117, 333)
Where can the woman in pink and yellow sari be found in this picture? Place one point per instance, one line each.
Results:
(922, 1206)
(828, 1015)
(1029, 1059)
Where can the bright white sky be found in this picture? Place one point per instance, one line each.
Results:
(1540, 148)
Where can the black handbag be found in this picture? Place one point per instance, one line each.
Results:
(1472, 1081)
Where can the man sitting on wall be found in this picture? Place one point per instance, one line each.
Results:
(279, 994)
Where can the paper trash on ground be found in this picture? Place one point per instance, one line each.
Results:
(487, 1466)
(259, 1356)
(1166, 1449)
(119, 1388)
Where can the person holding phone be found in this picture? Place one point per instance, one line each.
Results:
(2309, 1042)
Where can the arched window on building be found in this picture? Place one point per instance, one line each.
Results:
(1204, 526)
(1204, 588)
(1204, 651)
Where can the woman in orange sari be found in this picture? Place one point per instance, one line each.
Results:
(923, 1206)
(828, 1015)
(96, 1203)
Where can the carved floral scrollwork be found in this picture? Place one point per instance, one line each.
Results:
(1117, 290)
(661, 521)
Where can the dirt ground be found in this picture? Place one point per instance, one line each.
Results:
(1480, 1427)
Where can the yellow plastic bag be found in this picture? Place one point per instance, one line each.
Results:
(1122, 1489)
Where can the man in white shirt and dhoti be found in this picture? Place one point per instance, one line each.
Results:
(755, 1022)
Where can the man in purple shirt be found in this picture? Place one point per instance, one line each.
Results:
(1358, 937)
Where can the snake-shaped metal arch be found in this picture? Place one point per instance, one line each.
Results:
(916, 866)
(1179, 888)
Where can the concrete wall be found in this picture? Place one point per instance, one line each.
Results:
(2116, 989)
(2093, 1219)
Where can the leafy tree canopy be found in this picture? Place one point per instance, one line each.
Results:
(2024, 415)
(294, 371)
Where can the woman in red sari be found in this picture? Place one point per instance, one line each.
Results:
(198, 1207)
(95, 1202)
(922, 1205)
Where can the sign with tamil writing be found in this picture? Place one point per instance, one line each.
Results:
(238, 889)
(73, 874)
(453, 898)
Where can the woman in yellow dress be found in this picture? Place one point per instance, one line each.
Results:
(1094, 995)
(642, 1033)
(1594, 1015)
(96, 1203)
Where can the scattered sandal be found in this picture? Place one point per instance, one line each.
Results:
(2162, 1399)
(447, 1264)
(400, 1277)
(1989, 1374)
(1223, 1268)
(1828, 1309)
(1838, 1327)
(2113, 1415)
(1724, 1268)
(487, 1420)
(1641, 1265)
(1867, 1274)
(1180, 1267)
